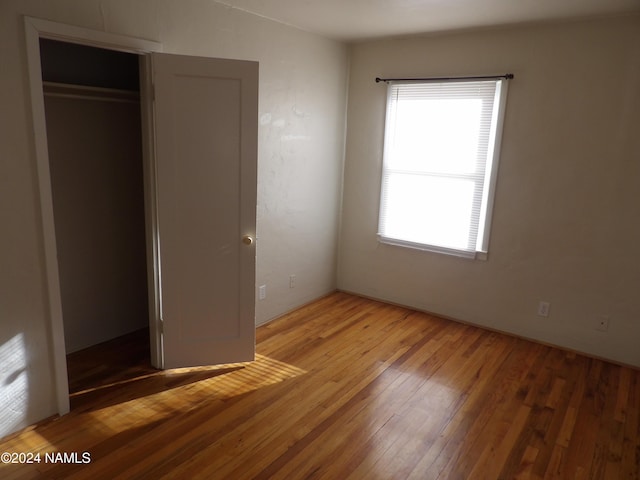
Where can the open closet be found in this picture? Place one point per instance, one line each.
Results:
(137, 139)
(92, 110)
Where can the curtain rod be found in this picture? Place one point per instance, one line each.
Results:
(507, 76)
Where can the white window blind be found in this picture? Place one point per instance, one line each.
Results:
(440, 159)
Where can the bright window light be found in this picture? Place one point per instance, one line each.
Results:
(440, 163)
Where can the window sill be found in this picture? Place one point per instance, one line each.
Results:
(433, 248)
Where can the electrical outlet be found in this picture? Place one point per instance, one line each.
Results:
(602, 324)
(543, 308)
(262, 292)
(292, 281)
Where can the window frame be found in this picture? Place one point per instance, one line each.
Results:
(490, 177)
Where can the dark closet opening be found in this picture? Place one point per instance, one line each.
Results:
(92, 109)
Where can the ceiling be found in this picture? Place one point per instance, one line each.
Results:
(351, 20)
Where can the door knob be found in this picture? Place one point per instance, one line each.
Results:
(247, 240)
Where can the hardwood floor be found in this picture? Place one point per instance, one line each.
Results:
(348, 388)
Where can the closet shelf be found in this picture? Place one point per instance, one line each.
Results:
(85, 92)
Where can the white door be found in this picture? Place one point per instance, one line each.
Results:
(206, 160)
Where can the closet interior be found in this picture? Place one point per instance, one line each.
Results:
(92, 107)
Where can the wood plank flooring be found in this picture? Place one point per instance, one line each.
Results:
(347, 388)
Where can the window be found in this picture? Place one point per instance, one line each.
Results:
(440, 163)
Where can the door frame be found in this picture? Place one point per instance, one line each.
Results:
(35, 29)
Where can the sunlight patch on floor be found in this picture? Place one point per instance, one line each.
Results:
(96, 425)
(240, 379)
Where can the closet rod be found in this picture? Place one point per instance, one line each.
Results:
(84, 92)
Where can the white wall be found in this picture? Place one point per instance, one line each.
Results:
(566, 225)
(302, 104)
